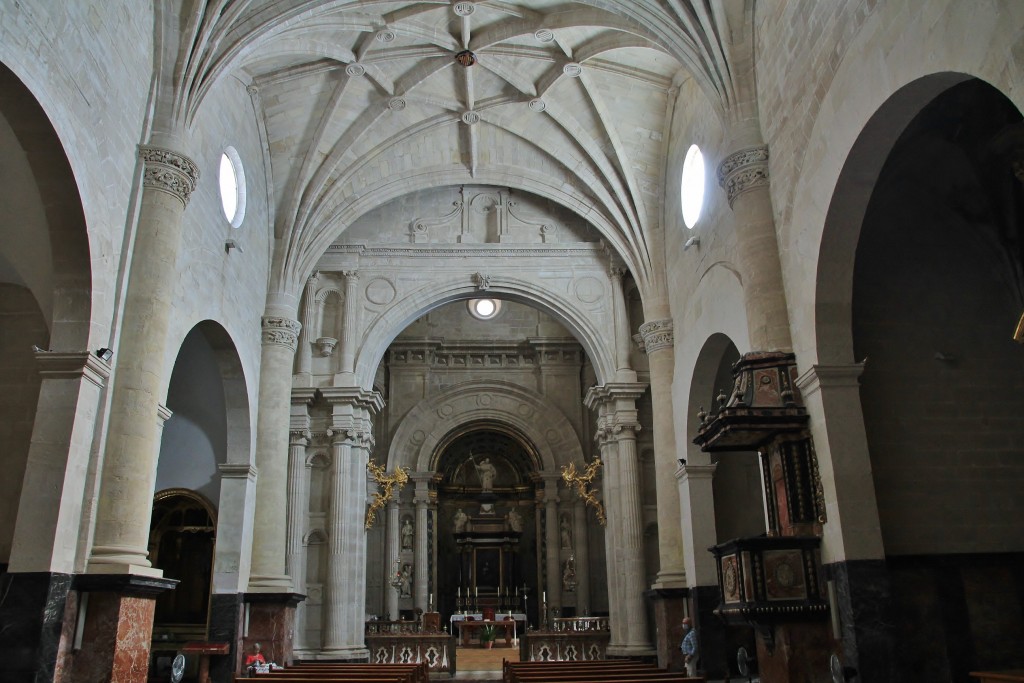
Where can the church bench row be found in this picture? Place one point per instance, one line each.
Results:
(619, 671)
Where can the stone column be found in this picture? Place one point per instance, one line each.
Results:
(659, 343)
(349, 329)
(394, 547)
(280, 332)
(120, 544)
(552, 544)
(43, 548)
(618, 422)
(422, 540)
(340, 584)
(345, 589)
(581, 551)
(298, 506)
(612, 531)
(309, 313)
(744, 176)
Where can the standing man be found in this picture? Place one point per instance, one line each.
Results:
(689, 647)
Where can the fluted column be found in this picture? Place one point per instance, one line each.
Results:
(744, 176)
(617, 426)
(280, 334)
(298, 504)
(349, 328)
(120, 544)
(632, 536)
(394, 546)
(581, 552)
(309, 313)
(422, 539)
(552, 543)
(659, 340)
(612, 533)
(338, 585)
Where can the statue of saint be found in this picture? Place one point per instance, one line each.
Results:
(405, 589)
(514, 520)
(566, 532)
(407, 534)
(460, 520)
(486, 472)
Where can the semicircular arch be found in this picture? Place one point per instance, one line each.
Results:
(383, 330)
(427, 426)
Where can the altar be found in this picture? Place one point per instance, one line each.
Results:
(466, 627)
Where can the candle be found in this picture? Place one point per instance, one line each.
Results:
(459, 592)
(431, 599)
(544, 596)
(476, 591)
(517, 591)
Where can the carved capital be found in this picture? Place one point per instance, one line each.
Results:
(743, 170)
(299, 437)
(351, 276)
(168, 172)
(657, 335)
(281, 331)
(483, 282)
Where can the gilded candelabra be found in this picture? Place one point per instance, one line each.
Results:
(582, 483)
(387, 483)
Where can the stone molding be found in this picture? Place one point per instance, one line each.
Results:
(163, 412)
(657, 335)
(168, 171)
(237, 470)
(743, 170)
(829, 376)
(281, 331)
(687, 472)
(61, 365)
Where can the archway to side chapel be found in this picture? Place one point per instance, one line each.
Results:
(726, 502)
(930, 207)
(203, 479)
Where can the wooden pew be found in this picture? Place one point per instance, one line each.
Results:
(618, 671)
(330, 672)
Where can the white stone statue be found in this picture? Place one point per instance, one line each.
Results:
(405, 590)
(514, 520)
(486, 472)
(566, 530)
(460, 520)
(407, 534)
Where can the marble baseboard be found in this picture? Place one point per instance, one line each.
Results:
(272, 624)
(226, 623)
(32, 622)
(863, 598)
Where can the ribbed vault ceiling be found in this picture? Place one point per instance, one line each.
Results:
(364, 101)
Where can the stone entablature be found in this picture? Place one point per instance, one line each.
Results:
(486, 355)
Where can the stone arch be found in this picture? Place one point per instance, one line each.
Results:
(209, 400)
(849, 202)
(424, 429)
(383, 330)
(359, 201)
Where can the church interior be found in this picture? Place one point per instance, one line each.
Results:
(342, 326)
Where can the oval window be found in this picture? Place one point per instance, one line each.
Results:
(692, 186)
(232, 187)
(484, 309)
